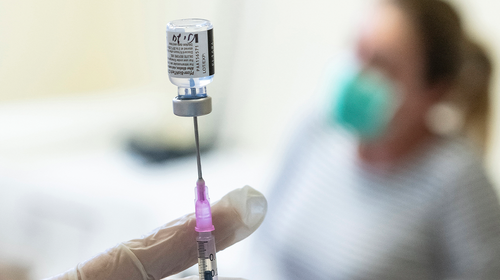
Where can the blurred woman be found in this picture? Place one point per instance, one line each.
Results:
(374, 187)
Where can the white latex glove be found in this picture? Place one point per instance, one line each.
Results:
(171, 248)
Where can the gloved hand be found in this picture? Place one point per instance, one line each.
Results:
(172, 248)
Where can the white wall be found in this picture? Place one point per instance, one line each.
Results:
(280, 59)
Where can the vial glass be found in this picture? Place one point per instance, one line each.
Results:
(190, 54)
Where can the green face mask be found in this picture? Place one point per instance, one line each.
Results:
(365, 103)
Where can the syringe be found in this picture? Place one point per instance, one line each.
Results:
(207, 262)
(191, 67)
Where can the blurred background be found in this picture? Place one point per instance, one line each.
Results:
(90, 151)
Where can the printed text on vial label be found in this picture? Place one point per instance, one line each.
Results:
(188, 55)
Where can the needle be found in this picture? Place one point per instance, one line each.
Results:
(197, 140)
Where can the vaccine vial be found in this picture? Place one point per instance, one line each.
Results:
(190, 54)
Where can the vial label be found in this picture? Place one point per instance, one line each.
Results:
(190, 54)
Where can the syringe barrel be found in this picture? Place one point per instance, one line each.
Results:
(207, 262)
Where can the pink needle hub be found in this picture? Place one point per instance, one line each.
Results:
(203, 211)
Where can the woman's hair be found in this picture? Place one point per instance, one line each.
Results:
(472, 92)
(454, 59)
(440, 30)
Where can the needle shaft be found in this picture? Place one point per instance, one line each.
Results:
(197, 140)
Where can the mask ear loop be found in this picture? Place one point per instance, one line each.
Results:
(445, 119)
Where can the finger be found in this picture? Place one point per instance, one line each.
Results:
(237, 215)
(172, 248)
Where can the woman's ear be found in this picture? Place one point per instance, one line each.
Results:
(443, 116)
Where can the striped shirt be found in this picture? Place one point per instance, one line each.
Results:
(434, 216)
